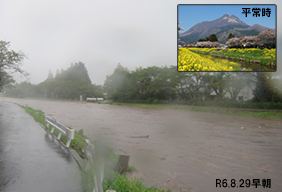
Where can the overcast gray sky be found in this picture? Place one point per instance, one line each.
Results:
(55, 33)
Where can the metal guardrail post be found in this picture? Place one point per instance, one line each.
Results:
(62, 129)
(70, 136)
(96, 165)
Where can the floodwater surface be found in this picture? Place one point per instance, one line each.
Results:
(185, 151)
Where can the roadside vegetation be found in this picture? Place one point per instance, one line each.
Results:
(112, 180)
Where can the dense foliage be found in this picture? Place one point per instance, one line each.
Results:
(211, 38)
(10, 62)
(230, 36)
(263, 39)
(167, 85)
(67, 84)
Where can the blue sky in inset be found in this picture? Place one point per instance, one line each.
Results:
(190, 15)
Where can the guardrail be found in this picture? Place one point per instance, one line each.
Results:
(69, 133)
(96, 165)
(95, 161)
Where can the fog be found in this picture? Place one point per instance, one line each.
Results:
(101, 34)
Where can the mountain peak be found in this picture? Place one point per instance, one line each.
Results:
(257, 25)
(232, 18)
(221, 27)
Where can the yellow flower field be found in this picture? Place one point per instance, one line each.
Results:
(189, 61)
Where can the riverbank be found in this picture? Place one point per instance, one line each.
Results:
(112, 180)
(264, 113)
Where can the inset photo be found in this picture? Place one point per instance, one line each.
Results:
(227, 37)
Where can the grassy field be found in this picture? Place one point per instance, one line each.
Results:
(265, 56)
(112, 180)
(271, 114)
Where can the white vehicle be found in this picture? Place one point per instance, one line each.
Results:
(91, 99)
(94, 99)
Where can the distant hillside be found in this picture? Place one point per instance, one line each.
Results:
(222, 27)
(257, 27)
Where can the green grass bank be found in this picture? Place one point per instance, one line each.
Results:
(253, 112)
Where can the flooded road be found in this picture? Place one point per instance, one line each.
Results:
(185, 151)
(30, 158)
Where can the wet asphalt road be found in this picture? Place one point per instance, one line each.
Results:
(186, 151)
(30, 159)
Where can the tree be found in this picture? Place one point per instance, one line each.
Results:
(57, 73)
(10, 62)
(98, 91)
(115, 84)
(50, 75)
(213, 38)
(230, 36)
(71, 83)
(233, 42)
(24, 89)
(202, 40)
(218, 83)
(208, 44)
(6, 80)
(235, 83)
(249, 41)
(267, 89)
(268, 38)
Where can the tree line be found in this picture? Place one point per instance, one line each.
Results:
(265, 39)
(166, 84)
(153, 85)
(147, 85)
(67, 84)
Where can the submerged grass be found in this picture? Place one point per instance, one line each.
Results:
(271, 114)
(112, 180)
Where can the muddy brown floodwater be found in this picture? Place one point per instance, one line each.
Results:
(185, 151)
